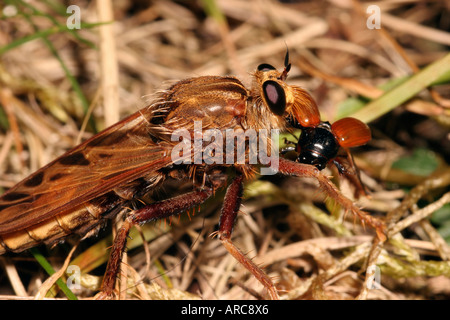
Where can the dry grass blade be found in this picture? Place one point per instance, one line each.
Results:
(108, 63)
(14, 278)
(54, 277)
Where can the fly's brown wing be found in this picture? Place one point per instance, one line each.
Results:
(118, 155)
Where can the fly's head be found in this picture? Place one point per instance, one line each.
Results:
(277, 101)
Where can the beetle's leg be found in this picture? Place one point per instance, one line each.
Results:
(304, 170)
(154, 211)
(231, 204)
(352, 176)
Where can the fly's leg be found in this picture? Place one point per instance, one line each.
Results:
(288, 167)
(231, 204)
(151, 212)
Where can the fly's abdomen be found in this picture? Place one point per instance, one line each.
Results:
(83, 220)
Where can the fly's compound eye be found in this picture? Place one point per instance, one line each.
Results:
(265, 67)
(275, 97)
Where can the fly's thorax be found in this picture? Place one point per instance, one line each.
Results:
(218, 102)
(227, 146)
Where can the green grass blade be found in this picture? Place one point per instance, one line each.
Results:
(50, 271)
(405, 90)
(212, 10)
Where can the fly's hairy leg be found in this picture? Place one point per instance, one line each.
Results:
(288, 167)
(151, 212)
(231, 204)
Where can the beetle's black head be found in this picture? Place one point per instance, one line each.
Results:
(317, 146)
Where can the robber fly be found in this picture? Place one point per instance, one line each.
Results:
(106, 174)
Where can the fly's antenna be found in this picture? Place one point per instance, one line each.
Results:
(287, 65)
